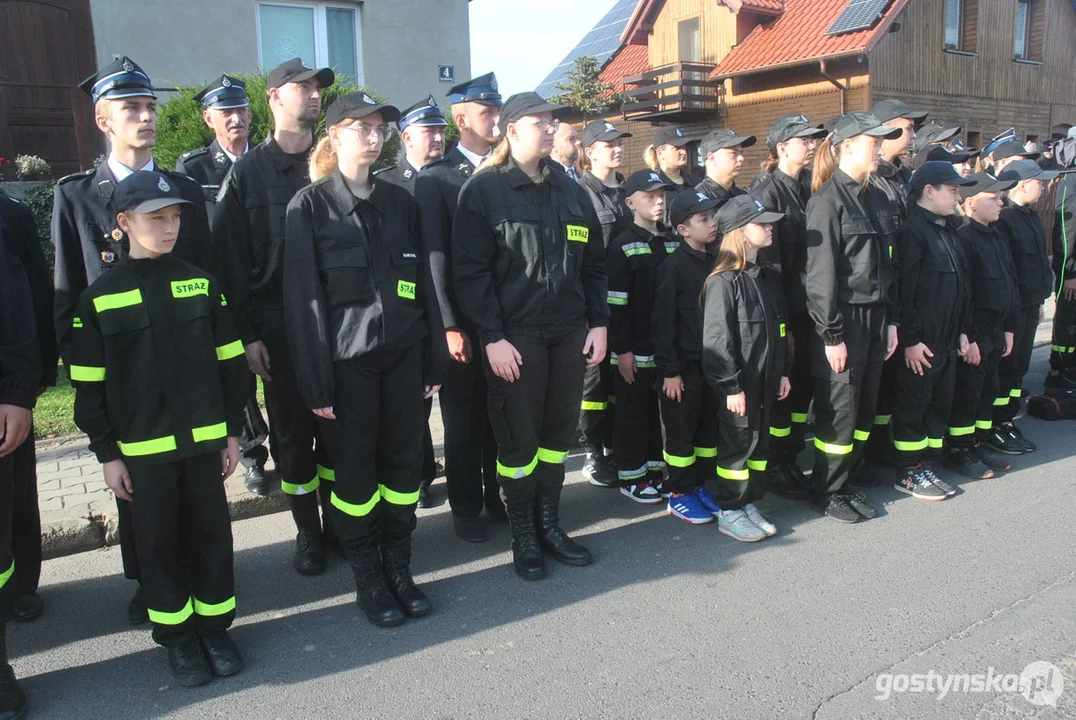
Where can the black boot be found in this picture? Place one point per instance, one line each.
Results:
(526, 554)
(137, 614)
(256, 480)
(372, 591)
(12, 698)
(396, 558)
(552, 539)
(189, 663)
(224, 657)
(309, 551)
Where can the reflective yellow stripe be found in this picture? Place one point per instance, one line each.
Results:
(7, 574)
(833, 449)
(190, 288)
(780, 432)
(632, 474)
(229, 351)
(591, 405)
(1001, 401)
(171, 618)
(935, 443)
(115, 301)
(517, 472)
(214, 609)
(86, 373)
(984, 424)
(325, 473)
(292, 489)
(355, 510)
(210, 432)
(553, 457)
(148, 447)
(706, 452)
(680, 461)
(913, 446)
(757, 465)
(799, 417)
(862, 435)
(223, 300)
(962, 431)
(781, 329)
(398, 498)
(744, 474)
(1015, 393)
(76, 323)
(882, 419)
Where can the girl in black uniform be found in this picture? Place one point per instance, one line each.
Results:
(669, 156)
(744, 346)
(368, 344)
(529, 267)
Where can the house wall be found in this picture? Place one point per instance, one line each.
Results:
(717, 31)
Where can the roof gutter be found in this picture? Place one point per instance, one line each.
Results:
(785, 65)
(840, 86)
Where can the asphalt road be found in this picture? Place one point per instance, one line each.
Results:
(671, 620)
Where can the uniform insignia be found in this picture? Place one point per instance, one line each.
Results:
(304, 66)
(163, 185)
(679, 132)
(493, 83)
(107, 256)
(220, 157)
(127, 66)
(610, 127)
(408, 174)
(368, 100)
(430, 102)
(465, 170)
(116, 235)
(226, 82)
(760, 207)
(701, 197)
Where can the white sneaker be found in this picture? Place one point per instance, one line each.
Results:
(642, 493)
(738, 526)
(760, 522)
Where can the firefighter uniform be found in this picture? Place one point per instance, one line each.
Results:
(1063, 352)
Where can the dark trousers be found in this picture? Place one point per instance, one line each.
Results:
(429, 462)
(974, 394)
(1063, 350)
(690, 432)
(534, 418)
(470, 448)
(1012, 369)
(743, 445)
(789, 416)
(255, 431)
(597, 416)
(26, 517)
(921, 411)
(9, 578)
(184, 538)
(378, 447)
(845, 403)
(637, 433)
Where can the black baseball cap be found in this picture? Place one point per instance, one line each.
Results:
(687, 203)
(724, 138)
(792, 126)
(295, 70)
(892, 109)
(851, 124)
(985, 182)
(527, 103)
(933, 153)
(602, 131)
(1021, 170)
(1012, 148)
(671, 136)
(645, 181)
(937, 172)
(146, 191)
(932, 133)
(357, 105)
(741, 210)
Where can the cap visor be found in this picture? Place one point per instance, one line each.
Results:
(946, 134)
(157, 204)
(767, 218)
(654, 186)
(811, 132)
(883, 131)
(389, 113)
(609, 137)
(677, 141)
(747, 141)
(229, 105)
(1047, 175)
(324, 76)
(916, 115)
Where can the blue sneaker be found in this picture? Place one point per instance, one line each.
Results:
(708, 501)
(689, 509)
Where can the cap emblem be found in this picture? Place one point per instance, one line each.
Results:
(760, 206)
(493, 84)
(163, 185)
(701, 197)
(679, 132)
(368, 100)
(226, 82)
(127, 66)
(610, 127)
(654, 177)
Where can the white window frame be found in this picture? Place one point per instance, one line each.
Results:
(321, 39)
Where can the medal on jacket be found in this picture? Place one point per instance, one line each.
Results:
(465, 170)
(107, 256)
(117, 235)
(408, 174)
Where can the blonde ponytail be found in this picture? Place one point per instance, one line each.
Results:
(732, 252)
(770, 163)
(583, 164)
(497, 158)
(323, 160)
(650, 157)
(825, 163)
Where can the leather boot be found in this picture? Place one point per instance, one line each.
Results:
(552, 539)
(309, 551)
(526, 554)
(224, 657)
(189, 664)
(12, 698)
(372, 591)
(396, 558)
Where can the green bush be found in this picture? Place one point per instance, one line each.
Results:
(39, 200)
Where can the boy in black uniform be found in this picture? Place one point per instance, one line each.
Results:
(88, 242)
(160, 382)
(722, 152)
(935, 301)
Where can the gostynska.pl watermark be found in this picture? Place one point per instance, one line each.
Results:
(1041, 683)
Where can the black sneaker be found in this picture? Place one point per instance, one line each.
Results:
(858, 502)
(782, 480)
(992, 460)
(998, 440)
(1018, 437)
(914, 482)
(600, 470)
(835, 507)
(928, 473)
(967, 462)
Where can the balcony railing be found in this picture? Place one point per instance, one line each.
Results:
(672, 92)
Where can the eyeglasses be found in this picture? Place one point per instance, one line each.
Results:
(544, 125)
(366, 131)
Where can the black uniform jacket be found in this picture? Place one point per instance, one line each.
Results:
(89, 243)
(357, 281)
(1064, 260)
(207, 166)
(676, 322)
(402, 174)
(157, 364)
(744, 340)
(248, 230)
(715, 190)
(528, 257)
(850, 253)
(1026, 234)
(631, 266)
(935, 292)
(20, 354)
(995, 299)
(893, 181)
(437, 191)
(779, 192)
(613, 213)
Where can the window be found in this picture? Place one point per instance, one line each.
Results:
(961, 25)
(975, 139)
(952, 23)
(690, 47)
(1020, 46)
(1030, 30)
(323, 35)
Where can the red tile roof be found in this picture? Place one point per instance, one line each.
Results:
(629, 60)
(799, 36)
(766, 6)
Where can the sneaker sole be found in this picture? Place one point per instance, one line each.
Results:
(917, 496)
(736, 537)
(641, 501)
(688, 520)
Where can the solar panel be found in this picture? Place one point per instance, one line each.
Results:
(601, 43)
(859, 15)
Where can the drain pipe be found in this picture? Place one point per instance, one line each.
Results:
(835, 81)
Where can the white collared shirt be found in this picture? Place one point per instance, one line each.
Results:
(232, 157)
(473, 158)
(121, 171)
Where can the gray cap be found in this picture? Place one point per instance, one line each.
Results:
(861, 123)
(792, 126)
(724, 138)
(1020, 170)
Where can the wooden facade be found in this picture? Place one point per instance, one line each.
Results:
(717, 31)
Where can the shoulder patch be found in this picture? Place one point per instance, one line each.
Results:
(384, 170)
(75, 176)
(195, 151)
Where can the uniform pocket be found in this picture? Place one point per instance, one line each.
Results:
(123, 320)
(347, 277)
(497, 406)
(939, 263)
(405, 264)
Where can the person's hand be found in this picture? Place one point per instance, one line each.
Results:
(973, 356)
(1068, 289)
(837, 356)
(504, 360)
(325, 413)
(891, 342)
(258, 360)
(229, 458)
(459, 345)
(1009, 339)
(119, 480)
(962, 344)
(429, 391)
(737, 404)
(915, 358)
(15, 425)
(595, 346)
(625, 363)
(784, 389)
(673, 388)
